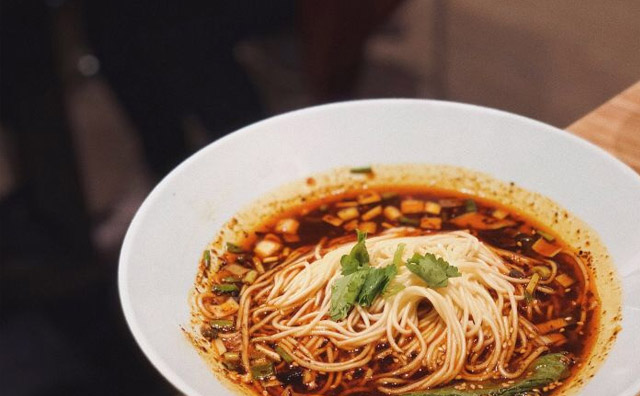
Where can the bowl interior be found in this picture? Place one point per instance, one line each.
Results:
(183, 213)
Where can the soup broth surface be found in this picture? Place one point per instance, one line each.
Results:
(565, 311)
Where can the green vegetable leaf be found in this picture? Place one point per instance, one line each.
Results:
(397, 256)
(376, 281)
(543, 371)
(344, 293)
(434, 271)
(392, 289)
(358, 258)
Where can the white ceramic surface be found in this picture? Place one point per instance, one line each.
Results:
(183, 213)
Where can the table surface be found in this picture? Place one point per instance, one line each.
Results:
(615, 126)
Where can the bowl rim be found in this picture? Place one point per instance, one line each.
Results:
(165, 368)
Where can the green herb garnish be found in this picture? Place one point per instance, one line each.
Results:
(392, 289)
(434, 271)
(262, 371)
(226, 288)
(222, 325)
(361, 169)
(397, 256)
(546, 235)
(470, 206)
(283, 354)
(233, 248)
(375, 283)
(528, 297)
(361, 283)
(543, 371)
(358, 258)
(345, 292)
(206, 256)
(408, 221)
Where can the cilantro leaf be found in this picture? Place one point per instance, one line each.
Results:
(361, 283)
(358, 258)
(376, 281)
(392, 289)
(543, 371)
(434, 271)
(397, 256)
(344, 293)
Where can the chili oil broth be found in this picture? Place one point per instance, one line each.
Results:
(517, 238)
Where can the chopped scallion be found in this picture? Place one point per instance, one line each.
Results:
(397, 256)
(225, 288)
(233, 248)
(470, 205)
(262, 371)
(361, 169)
(546, 235)
(533, 283)
(222, 325)
(542, 270)
(408, 221)
(283, 354)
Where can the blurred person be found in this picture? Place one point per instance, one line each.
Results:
(168, 62)
(62, 331)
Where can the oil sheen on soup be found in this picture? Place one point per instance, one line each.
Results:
(402, 291)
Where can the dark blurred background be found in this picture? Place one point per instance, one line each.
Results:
(100, 99)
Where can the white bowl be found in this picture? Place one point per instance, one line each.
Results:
(184, 212)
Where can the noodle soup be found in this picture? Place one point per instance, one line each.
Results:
(401, 290)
